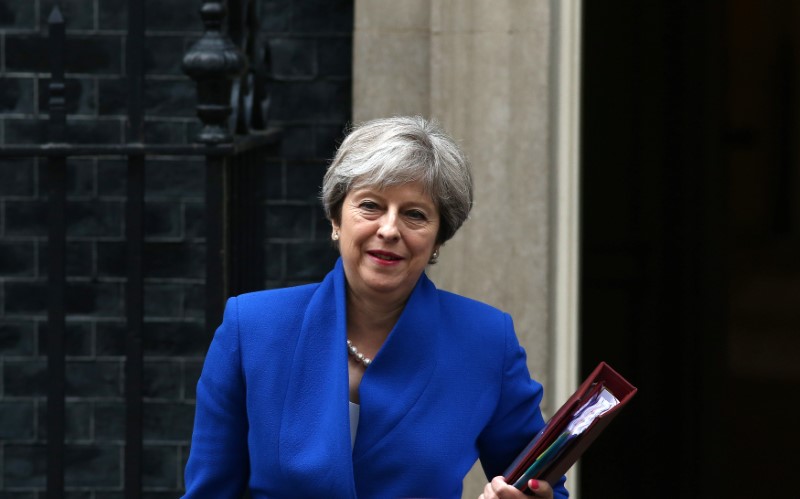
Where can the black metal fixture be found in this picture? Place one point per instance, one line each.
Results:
(234, 168)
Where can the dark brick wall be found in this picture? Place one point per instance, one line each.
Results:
(309, 44)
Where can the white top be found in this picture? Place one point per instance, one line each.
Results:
(354, 412)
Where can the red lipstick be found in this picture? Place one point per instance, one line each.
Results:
(384, 257)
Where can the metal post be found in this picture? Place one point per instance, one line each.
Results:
(134, 310)
(216, 240)
(246, 224)
(56, 239)
(214, 62)
(134, 293)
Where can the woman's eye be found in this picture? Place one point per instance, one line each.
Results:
(368, 205)
(416, 215)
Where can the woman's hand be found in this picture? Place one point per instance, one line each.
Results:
(499, 489)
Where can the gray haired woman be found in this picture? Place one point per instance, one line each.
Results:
(373, 382)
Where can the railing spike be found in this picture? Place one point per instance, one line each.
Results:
(56, 105)
(55, 16)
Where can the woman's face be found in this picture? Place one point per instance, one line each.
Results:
(386, 238)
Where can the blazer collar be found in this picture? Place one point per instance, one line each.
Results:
(400, 371)
(314, 442)
(315, 425)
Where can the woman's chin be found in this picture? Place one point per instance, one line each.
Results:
(388, 287)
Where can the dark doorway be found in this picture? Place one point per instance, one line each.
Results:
(691, 244)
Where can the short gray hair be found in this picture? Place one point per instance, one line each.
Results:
(392, 151)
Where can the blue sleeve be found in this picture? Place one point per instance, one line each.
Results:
(517, 417)
(218, 464)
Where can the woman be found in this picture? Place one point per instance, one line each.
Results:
(447, 381)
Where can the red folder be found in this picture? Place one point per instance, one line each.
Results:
(571, 449)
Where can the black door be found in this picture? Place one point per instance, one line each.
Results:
(691, 244)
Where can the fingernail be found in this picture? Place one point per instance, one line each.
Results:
(533, 484)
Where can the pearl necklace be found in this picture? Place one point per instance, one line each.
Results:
(352, 350)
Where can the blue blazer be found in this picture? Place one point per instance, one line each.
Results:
(449, 386)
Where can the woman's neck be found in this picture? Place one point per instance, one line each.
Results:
(369, 322)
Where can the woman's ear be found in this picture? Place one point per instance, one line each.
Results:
(435, 255)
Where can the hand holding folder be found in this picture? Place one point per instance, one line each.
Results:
(572, 429)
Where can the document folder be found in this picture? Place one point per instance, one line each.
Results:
(572, 429)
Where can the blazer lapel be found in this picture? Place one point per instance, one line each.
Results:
(400, 371)
(315, 449)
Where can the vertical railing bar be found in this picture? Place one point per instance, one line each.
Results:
(230, 222)
(255, 232)
(216, 278)
(56, 238)
(134, 295)
(235, 222)
(134, 306)
(134, 55)
(252, 208)
(214, 62)
(243, 237)
(258, 210)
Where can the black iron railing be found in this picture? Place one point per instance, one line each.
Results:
(233, 179)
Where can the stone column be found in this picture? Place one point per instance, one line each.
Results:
(490, 72)
(391, 58)
(489, 88)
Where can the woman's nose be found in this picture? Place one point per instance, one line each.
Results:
(388, 227)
